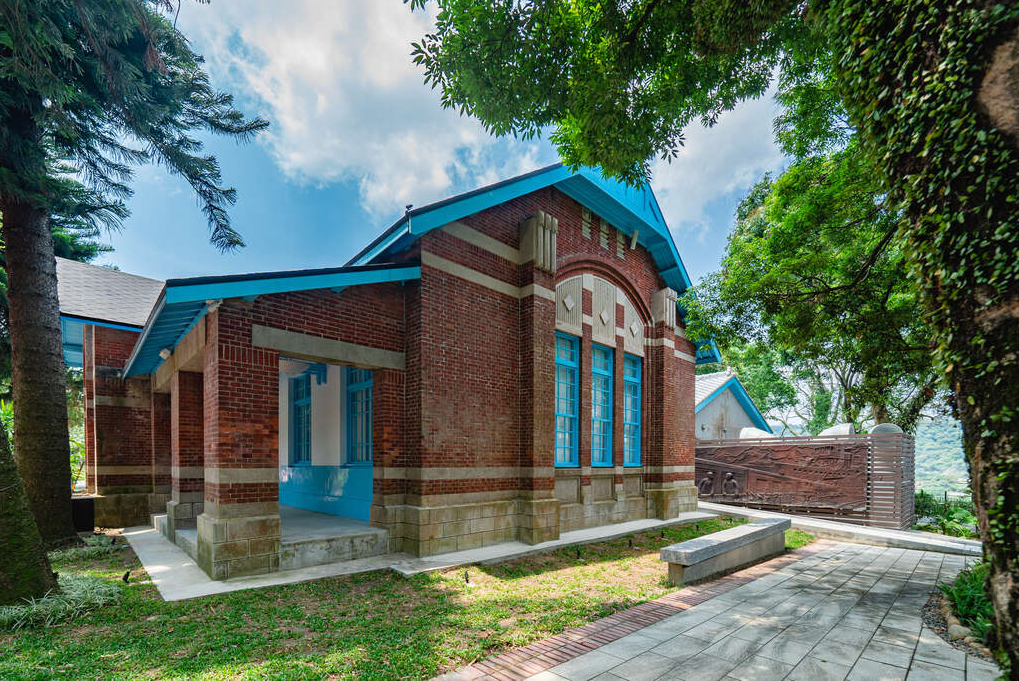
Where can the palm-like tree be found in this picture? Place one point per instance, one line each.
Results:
(97, 86)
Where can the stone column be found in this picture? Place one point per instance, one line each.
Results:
(669, 467)
(239, 529)
(89, 394)
(187, 470)
(538, 507)
(160, 436)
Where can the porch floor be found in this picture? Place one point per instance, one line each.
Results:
(298, 524)
(308, 538)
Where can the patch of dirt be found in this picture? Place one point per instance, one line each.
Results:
(933, 618)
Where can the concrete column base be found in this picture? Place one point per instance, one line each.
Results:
(234, 547)
(668, 502)
(538, 520)
(180, 515)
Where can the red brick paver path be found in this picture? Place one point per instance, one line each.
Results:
(520, 663)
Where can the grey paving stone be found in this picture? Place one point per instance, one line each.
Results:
(732, 649)
(757, 668)
(785, 650)
(629, 646)
(940, 653)
(608, 676)
(546, 676)
(713, 630)
(680, 647)
(644, 667)
(895, 636)
(887, 653)
(927, 671)
(859, 621)
(980, 671)
(700, 667)
(898, 620)
(587, 666)
(812, 669)
(836, 651)
(846, 634)
(872, 670)
(759, 633)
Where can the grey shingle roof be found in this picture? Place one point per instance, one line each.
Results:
(104, 294)
(705, 384)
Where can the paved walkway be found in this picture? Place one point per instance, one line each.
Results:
(831, 611)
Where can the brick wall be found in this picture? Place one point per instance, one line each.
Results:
(120, 415)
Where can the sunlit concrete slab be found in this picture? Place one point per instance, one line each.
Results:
(178, 577)
(858, 534)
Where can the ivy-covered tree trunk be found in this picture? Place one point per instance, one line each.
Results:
(38, 380)
(25, 570)
(934, 88)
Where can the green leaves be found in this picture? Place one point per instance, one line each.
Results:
(80, 81)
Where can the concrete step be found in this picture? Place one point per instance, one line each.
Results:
(187, 540)
(351, 545)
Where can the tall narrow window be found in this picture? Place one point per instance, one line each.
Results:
(359, 415)
(631, 410)
(567, 356)
(300, 419)
(601, 406)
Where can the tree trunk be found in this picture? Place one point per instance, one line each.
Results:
(38, 378)
(25, 570)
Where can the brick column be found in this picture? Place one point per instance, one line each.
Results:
(239, 529)
(538, 507)
(187, 458)
(160, 436)
(669, 464)
(89, 394)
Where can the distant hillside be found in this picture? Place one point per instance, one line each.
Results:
(940, 464)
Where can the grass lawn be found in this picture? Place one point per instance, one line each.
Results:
(370, 626)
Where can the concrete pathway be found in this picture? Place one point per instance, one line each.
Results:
(857, 534)
(846, 612)
(178, 577)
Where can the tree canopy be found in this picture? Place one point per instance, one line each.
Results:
(931, 89)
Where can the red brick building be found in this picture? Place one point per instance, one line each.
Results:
(507, 364)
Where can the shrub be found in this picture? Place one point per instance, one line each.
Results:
(79, 594)
(95, 546)
(969, 599)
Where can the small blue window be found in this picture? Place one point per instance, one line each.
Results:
(359, 416)
(300, 420)
(567, 356)
(631, 410)
(601, 406)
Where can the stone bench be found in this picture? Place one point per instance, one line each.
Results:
(698, 559)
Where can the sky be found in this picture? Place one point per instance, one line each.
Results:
(355, 136)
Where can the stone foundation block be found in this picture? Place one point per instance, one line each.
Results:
(234, 547)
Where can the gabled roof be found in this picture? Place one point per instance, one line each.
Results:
(101, 297)
(626, 208)
(709, 386)
(100, 294)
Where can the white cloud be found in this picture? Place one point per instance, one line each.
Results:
(346, 102)
(714, 162)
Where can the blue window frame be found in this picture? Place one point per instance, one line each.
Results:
(567, 399)
(601, 406)
(631, 410)
(300, 420)
(359, 416)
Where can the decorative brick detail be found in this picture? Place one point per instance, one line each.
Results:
(521, 663)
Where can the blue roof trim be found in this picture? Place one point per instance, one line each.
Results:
(72, 336)
(626, 208)
(183, 302)
(707, 353)
(742, 397)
